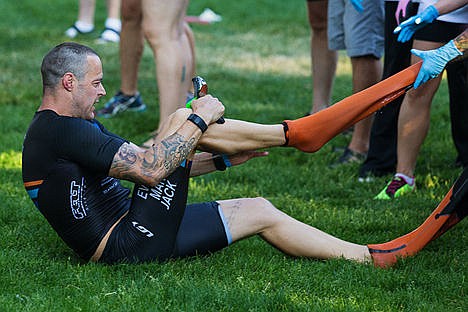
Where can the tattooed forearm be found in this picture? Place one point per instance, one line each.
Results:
(168, 154)
(461, 42)
(152, 165)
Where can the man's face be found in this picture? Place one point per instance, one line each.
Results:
(89, 90)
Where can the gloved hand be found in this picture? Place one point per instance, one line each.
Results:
(434, 61)
(402, 5)
(357, 4)
(411, 25)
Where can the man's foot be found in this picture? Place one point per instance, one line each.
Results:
(78, 28)
(109, 35)
(120, 103)
(349, 157)
(452, 209)
(395, 188)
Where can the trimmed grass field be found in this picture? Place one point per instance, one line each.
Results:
(257, 62)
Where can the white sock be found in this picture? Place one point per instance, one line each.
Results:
(81, 26)
(84, 27)
(408, 180)
(114, 23)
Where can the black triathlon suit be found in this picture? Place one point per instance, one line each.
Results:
(66, 163)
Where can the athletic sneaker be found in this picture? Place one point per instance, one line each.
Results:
(395, 188)
(120, 103)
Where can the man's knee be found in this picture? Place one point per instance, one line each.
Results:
(263, 206)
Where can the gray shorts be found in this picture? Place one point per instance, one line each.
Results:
(358, 33)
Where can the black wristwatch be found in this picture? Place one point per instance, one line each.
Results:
(198, 121)
(221, 162)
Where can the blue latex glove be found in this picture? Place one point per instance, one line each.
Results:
(411, 25)
(434, 61)
(357, 4)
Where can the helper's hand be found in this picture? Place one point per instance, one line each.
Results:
(401, 10)
(434, 61)
(209, 108)
(357, 4)
(242, 157)
(411, 25)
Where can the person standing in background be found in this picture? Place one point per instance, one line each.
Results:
(358, 28)
(85, 21)
(323, 59)
(432, 28)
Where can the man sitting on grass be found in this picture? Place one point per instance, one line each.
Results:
(72, 166)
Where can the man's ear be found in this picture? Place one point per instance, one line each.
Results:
(68, 81)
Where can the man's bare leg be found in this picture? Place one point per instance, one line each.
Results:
(248, 216)
(131, 46)
(113, 9)
(86, 11)
(232, 137)
(323, 60)
(414, 118)
(163, 25)
(367, 71)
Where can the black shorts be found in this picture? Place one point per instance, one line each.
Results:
(159, 226)
(440, 31)
(138, 237)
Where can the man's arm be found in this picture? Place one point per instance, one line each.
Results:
(461, 42)
(446, 6)
(150, 166)
(204, 163)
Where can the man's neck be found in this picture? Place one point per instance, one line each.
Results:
(57, 104)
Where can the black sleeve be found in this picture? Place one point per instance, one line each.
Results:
(87, 143)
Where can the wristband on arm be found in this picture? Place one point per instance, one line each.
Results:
(198, 121)
(221, 162)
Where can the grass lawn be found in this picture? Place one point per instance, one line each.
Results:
(257, 62)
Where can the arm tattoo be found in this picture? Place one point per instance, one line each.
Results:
(124, 161)
(461, 42)
(153, 164)
(168, 154)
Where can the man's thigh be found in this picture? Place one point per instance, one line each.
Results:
(364, 31)
(248, 216)
(164, 12)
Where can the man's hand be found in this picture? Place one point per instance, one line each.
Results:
(401, 10)
(240, 158)
(411, 25)
(434, 61)
(357, 4)
(209, 108)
